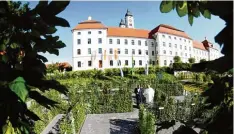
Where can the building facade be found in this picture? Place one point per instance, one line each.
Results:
(98, 46)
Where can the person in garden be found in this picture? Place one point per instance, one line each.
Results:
(149, 95)
(138, 93)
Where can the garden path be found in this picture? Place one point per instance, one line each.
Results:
(111, 123)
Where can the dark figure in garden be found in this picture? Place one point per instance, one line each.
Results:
(138, 93)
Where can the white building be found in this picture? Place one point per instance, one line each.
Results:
(98, 46)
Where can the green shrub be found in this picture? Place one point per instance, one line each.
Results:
(146, 121)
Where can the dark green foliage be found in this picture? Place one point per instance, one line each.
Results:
(202, 60)
(177, 59)
(24, 33)
(181, 66)
(219, 95)
(191, 60)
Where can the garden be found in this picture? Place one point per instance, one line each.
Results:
(96, 92)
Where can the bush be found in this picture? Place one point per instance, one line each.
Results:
(182, 66)
(147, 121)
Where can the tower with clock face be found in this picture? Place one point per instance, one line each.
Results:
(129, 20)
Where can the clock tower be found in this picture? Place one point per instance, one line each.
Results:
(129, 20)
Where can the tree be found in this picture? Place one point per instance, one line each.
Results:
(51, 68)
(191, 60)
(24, 33)
(202, 60)
(177, 59)
(218, 102)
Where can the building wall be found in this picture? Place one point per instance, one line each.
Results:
(169, 46)
(84, 57)
(200, 54)
(174, 46)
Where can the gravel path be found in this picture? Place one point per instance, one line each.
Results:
(111, 123)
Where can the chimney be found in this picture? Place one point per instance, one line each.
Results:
(89, 18)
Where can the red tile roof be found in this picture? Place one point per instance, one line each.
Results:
(169, 30)
(89, 24)
(198, 45)
(127, 32)
(130, 32)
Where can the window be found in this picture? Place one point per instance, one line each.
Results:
(139, 42)
(89, 50)
(164, 44)
(99, 32)
(118, 51)
(89, 41)
(110, 41)
(146, 52)
(181, 53)
(180, 38)
(175, 45)
(170, 62)
(78, 41)
(186, 54)
(133, 51)
(139, 51)
(111, 62)
(156, 44)
(79, 64)
(163, 36)
(78, 33)
(133, 42)
(78, 51)
(89, 63)
(165, 62)
(111, 51)
(164, 51)
(189, 48)
(152, 53)
(118, 41)
(180, 46)
(175, 38)
(184, 40)
(100, 50)
(126, 51)
(153, 62)
(146, 43)
(140, 62)
(169, 37)
(169, 44)
(99, 40)
(126, 62)
(170, 52)
(176, 53)
(89, 32)
(185, 48)
(125, 41)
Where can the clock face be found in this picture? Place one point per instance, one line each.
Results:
(130, 20)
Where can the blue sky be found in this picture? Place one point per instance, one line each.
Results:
(146, 14)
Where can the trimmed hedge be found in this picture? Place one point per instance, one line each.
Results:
(182, 66)
(101, 74)
(147, 121)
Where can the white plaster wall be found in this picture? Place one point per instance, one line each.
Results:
(84, 56)
(180, 51)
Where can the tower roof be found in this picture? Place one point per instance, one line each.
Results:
(128, 13)
(90, 24)
(122, 22)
